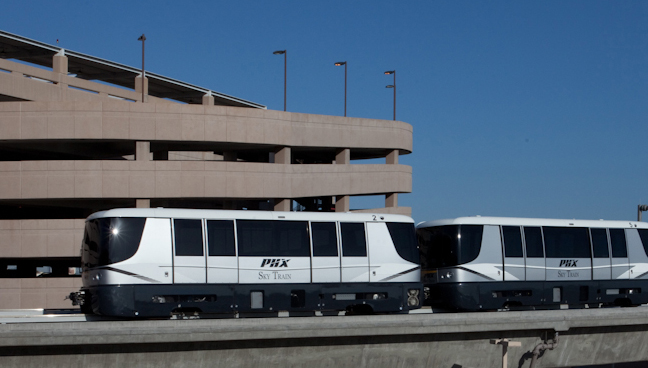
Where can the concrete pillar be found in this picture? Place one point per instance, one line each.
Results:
(229, 156)
(342, 204)
(391, 200)
(284, 204)
(392, 158)
(143, 151)
(208, 99)
(143, 203)
(138, 87)
(282, 156)
(343, 156)
(60, 63)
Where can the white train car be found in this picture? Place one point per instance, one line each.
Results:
(155, 262)
(485, 263)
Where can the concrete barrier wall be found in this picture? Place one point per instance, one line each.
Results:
(196, 123)
(194, 179)
(417, 340)
(41, 238)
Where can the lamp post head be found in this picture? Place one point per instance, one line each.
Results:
(340, 63)
(390, 72)
(142, 38)
(390, 86)
(279, 52)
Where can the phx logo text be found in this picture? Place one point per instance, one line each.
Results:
(275, 262)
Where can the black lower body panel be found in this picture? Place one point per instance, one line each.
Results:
(163, 300)
(495, 295)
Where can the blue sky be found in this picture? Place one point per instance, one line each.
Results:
(519, 108)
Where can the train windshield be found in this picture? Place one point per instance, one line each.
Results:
(110, 240)
(404, 237)
(447, 246)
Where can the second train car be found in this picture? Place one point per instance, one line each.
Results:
(488, 263)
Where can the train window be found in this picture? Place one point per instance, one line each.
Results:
(451, 245)
(273, 238)
(220, 237)
(254, 237)
(324, 239)
(470, 239)
(600, 243)
(404, 238)
(438, 246)
(566, 242)
(291, 238)
(512, 241)
(110, 240)
(533, 239)
(354, 243)
(618, 242)
(643, 234)
(188, 237)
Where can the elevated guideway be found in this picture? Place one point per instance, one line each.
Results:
(458, 340)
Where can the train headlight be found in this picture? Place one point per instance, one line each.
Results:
(412, 297)
(412, 301)
(448, 275)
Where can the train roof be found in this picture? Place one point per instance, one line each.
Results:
(245, 214)
(519, 221)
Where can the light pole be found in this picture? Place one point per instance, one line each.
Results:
(285, 54)
(394, 87)
(143, 39)
(340, 63)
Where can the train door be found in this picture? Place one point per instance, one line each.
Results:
(620, 264)
(535, 261)
(326, 254)
(188, 252)
(514, 269)
(355, 261)
(222, 263)
(273, 252)
(601, 263)
(568, 254)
